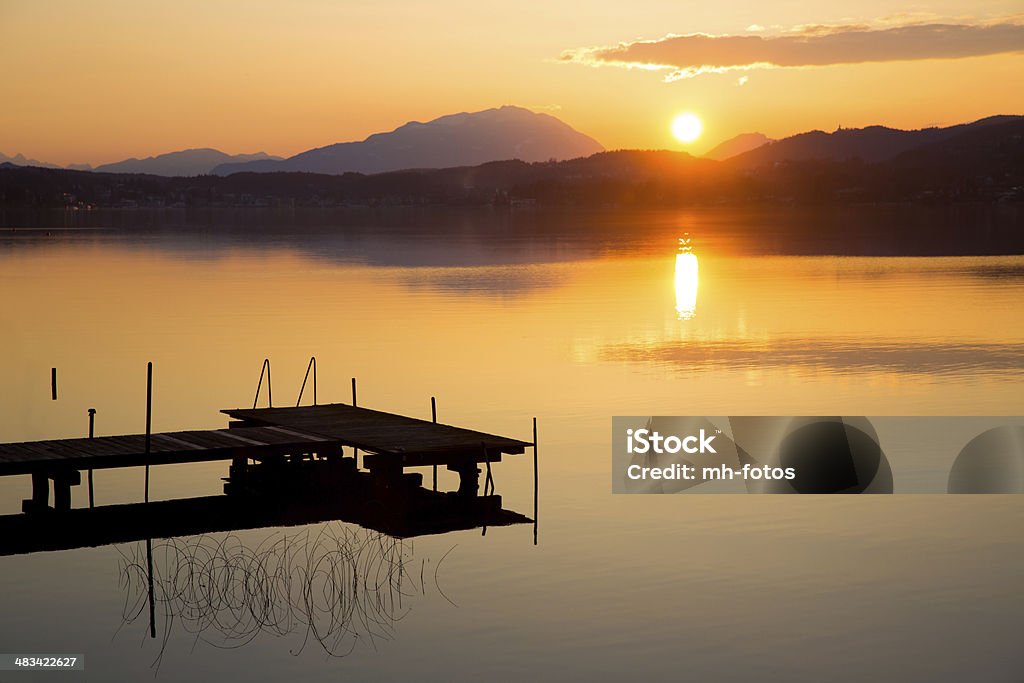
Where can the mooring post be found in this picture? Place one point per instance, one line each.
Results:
(149, 419)
(355, 451)
(433, 418)
(53, 384)
(92, 431)
(535, 481)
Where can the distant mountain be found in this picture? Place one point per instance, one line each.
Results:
(979, 162)
(738, 145)
(465, 139)
(20, 160)
(870, 145)
(189, 162)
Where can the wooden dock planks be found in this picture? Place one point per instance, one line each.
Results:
(389, 441)
(130, 450)
(408, 440)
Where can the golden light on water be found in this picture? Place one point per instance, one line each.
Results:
(686, 285)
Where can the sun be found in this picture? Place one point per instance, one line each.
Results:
(687, 127)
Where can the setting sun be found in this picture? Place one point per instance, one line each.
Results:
(687, 127)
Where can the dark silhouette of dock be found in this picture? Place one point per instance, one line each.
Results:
(269, 447)
(405, 514)
(392, 437)
(166, 448)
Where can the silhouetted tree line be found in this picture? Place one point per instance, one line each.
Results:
(975, 169)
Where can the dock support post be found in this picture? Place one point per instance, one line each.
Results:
(92, 425)
(433, 418)
(355, 451)
(149, 419)
(40, 490)
(61, 494)
(535, 481)
(62, 484)
(469, 477)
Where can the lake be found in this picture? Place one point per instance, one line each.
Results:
(569, 316)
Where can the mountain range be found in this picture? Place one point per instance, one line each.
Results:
(979, 162)
(465, 139)
(21, 160)
(508, 132)
(438, 162)
(871, 145)
(187, 162)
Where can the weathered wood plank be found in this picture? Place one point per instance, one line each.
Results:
(378, 432)
(389, 440)
(129, 450)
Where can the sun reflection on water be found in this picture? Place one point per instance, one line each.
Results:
(686, 280)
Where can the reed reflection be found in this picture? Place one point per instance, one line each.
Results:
(686, 280)
(334, 585)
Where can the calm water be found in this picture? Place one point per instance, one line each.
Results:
(572, 318)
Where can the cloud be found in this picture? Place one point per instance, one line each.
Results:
(687, 56)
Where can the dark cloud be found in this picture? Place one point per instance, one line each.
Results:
(686, 56)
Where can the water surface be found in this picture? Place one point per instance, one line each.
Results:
(572, 318)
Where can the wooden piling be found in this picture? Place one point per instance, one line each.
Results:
(355, 451)
(433, 418)
(92, 433)
(40, 490)
(62, 484)
(149, 421)
(535, 481)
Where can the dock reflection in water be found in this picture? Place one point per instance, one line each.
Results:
(346, 577)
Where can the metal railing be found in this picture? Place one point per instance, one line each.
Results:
(270, 396)
(311, 366)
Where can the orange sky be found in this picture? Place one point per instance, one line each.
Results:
(104, 80)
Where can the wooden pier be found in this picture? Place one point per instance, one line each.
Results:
(390, 442)
(271, 436)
